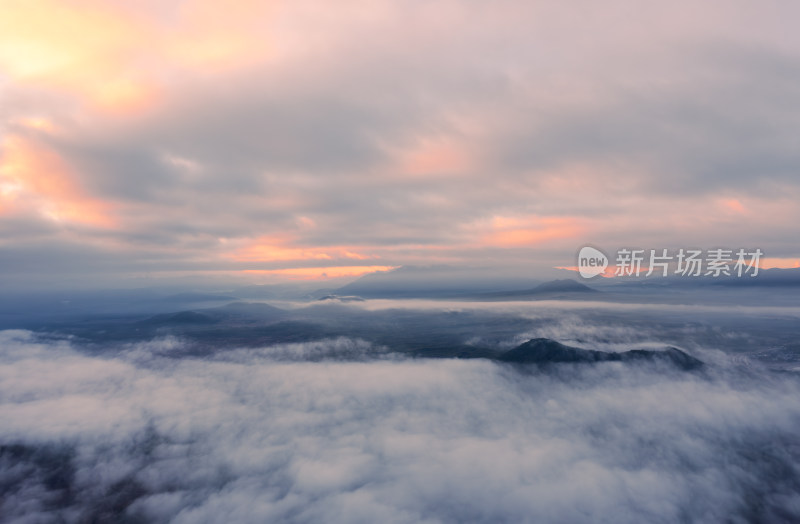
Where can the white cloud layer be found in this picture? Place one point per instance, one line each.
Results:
(134, 436)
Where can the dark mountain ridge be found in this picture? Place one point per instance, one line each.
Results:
(552, 289)
(546, 351)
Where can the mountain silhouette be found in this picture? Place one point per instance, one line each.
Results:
(551, 289)
(547, 351)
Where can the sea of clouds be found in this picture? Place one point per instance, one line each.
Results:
(338, 431)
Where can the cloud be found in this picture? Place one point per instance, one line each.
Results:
(250, 438)
(397, 128)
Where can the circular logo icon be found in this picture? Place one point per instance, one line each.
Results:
(591, 262)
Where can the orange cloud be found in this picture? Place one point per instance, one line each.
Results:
(782, 263)
(609, 272)
(118, 58)
(214, 34)
(320, 273)
(80, 48)
(435, 157)
(734, 205)
(35, 178)
(530, 231)
(275, 249)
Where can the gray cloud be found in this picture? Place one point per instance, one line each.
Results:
(717, 124)
(661, 110)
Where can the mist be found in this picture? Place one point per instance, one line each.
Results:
(344, 430)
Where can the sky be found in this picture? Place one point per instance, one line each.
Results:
(266, 140)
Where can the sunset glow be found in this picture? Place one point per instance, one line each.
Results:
(34, 179)
(380, 134)
(319, 273)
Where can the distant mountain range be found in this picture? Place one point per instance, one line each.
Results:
(775, 277)
(452, 282)
(253, 324)
(235, 312)
(552, 289)
(337, 298)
